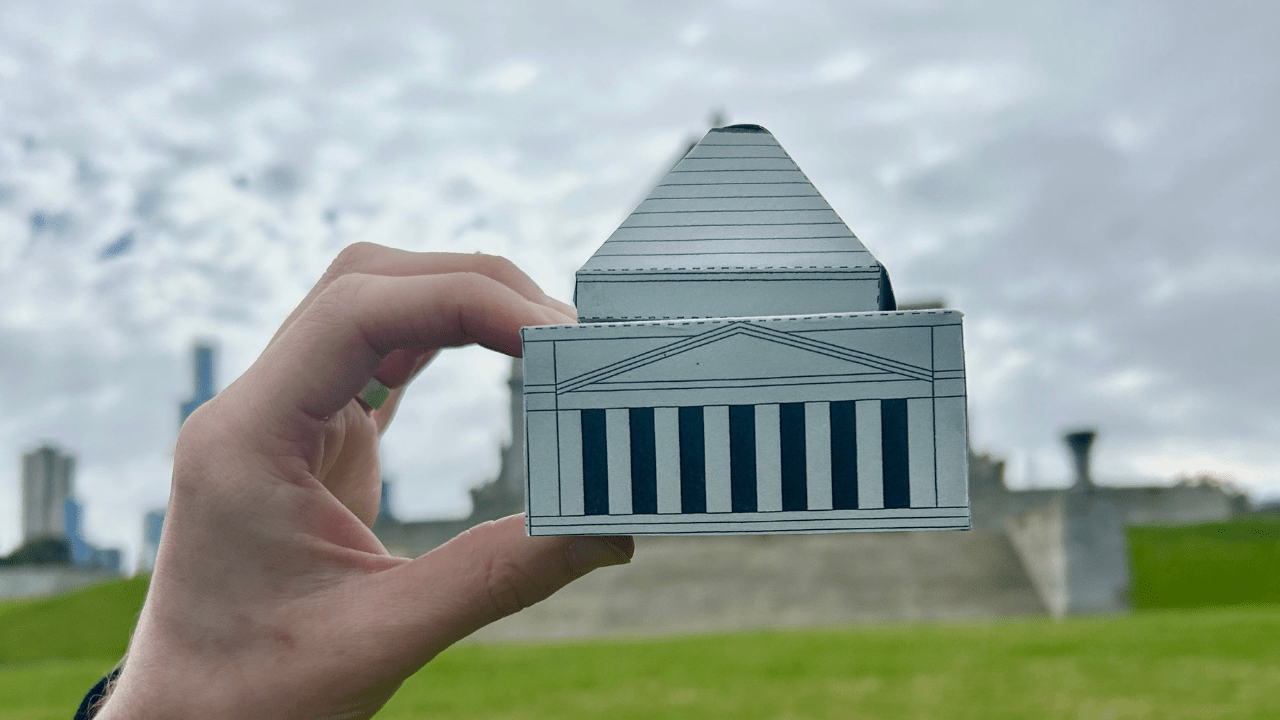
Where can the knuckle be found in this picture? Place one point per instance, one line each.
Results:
(341, 293)
(496, 266)
(351, 259)
(205, 428)
(509, 587)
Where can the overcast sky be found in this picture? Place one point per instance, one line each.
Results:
(1094, 184)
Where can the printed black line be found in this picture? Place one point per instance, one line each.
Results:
(654, 324)
(718, 518)
(678, 276)
(722, 519)
(755, 210)
(836, 350)
(805, 516)
(733, 197)
(711, 225)
(762, 377)
(732, 253)
(933, 402)
(775, 182)
(589, 387)
(776, 336)
(623, 529)
(556, 407)
(757, 328)
(846, 235)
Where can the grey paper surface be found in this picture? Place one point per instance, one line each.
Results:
(734, 230)
(870, 407)
(740, 368)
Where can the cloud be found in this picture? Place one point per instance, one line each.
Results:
(842, 67)
(508, 77)
(1092, 186)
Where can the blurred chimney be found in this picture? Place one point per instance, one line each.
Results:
(1079, 442)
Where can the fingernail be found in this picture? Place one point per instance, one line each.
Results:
(563, 308)
(551, 316)
(590, 553)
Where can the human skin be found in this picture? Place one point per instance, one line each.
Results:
(271, 597)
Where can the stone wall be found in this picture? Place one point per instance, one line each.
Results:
(700, 584)
(24, 581)
(1075, 552)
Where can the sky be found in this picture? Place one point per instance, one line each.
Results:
(1093, 183)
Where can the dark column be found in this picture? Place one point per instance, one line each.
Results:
(644, 463)
(795, 491)
(742, 457)
(595, 464)
(893, 445)
(693, 461)
(844, 455)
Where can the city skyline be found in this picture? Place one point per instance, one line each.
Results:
(1090, 185)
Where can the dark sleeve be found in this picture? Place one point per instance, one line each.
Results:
(89, 706)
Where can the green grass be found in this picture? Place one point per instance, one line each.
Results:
(1169, 664)
(92, 623)
(48, 689)
(1218, 564)
(1175, 664)
(1220, 662)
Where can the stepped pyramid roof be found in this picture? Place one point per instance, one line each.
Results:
(735, 208)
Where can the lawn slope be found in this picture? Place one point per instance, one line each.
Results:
(93, 623)
(1216, 564)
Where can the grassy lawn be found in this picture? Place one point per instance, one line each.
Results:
(1215, 564)
(48, 689)
(1167, 664)
(1205, 643)
(1218, 663)
(89, 624)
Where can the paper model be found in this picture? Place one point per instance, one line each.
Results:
(741, 368)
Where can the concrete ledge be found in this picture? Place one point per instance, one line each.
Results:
(680, 585)
(1074, 549)
(43, 580)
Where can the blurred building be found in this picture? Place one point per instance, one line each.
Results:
(499, 497)
(152, 524)
(1034, 552)
(54, 555)
(1188, 501)
(203, 361)
(46, 488)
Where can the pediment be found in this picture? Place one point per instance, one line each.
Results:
(745, 352)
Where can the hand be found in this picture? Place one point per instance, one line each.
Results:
(271, 596)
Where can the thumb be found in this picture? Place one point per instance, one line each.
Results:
(489, 572)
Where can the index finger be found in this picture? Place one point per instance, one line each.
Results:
(338, 341)
(372, 259)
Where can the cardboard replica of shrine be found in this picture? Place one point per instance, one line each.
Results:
(741, 368)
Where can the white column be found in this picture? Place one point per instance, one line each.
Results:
(870, 455)
(920, 452)
(953, 452)
(715, 427)
(570, 432)
(817, 450)
(617, 424)
(768, 459)
(666, 437)
(544, 480)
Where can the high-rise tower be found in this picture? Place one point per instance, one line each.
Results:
(46, 487)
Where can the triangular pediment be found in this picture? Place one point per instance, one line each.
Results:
(745, 352)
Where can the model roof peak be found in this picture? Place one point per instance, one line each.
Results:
(735, 208)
